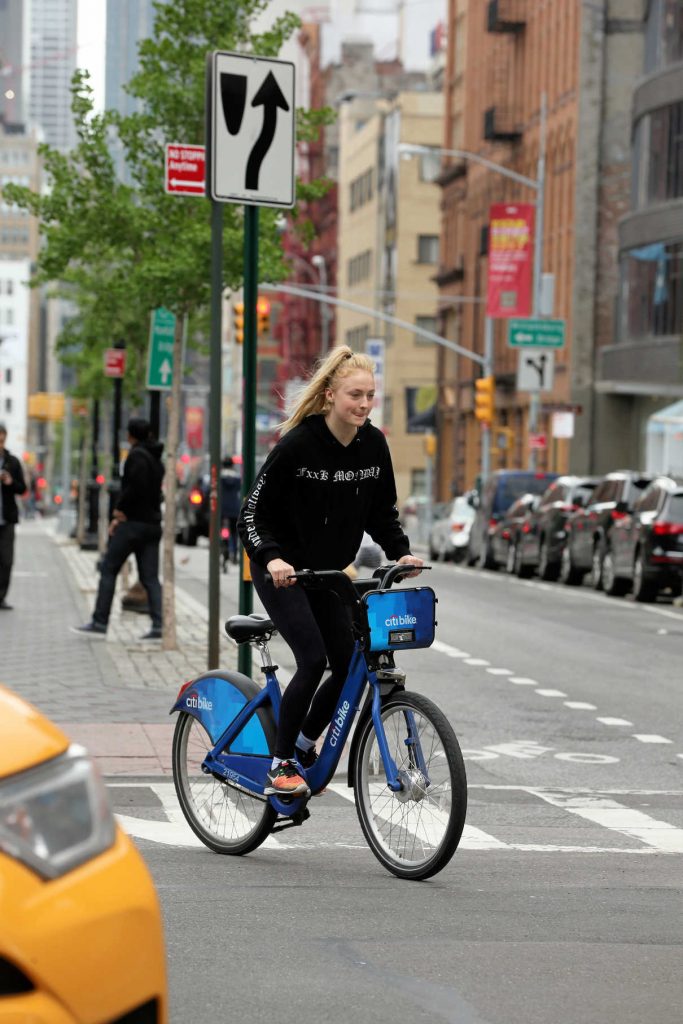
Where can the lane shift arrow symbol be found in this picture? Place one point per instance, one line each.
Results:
(270, 98)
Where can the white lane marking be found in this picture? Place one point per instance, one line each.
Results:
(477, 661)
(523, 681)
(614, 721)
(499, 671)
(452, 652)
(610, 814)
(579, 705)
(645, 737)
(550, 693)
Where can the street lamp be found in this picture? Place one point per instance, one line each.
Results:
(538, 185)
(318, 262)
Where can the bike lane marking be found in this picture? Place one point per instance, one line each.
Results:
(649, 737)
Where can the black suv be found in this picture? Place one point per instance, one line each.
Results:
(589, 529)
(544, 534)
(646, 549)
(500, 490)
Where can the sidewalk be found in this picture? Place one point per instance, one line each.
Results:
(111, 695)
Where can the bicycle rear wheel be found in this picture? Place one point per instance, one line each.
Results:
(226, 819)
(414, 832)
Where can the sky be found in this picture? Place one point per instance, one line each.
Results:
(92, 23)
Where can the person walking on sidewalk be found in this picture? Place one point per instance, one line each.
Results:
(327, 480)
(11, 484)
(231, 486)
(135, 529)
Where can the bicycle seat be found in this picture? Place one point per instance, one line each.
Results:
(245, 628)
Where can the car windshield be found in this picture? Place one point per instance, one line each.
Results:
(675, 511)
(512, 487)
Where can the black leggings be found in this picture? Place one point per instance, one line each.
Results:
(317, 628)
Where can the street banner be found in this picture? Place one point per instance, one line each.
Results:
(421, 410)
(194, 427)
(510, 265)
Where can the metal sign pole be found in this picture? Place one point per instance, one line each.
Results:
(538, 263)
(215, 403)
(251, 218)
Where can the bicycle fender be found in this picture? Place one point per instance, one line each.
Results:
(216, 697)
(365, 713)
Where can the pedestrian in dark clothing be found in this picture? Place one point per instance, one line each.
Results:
(231, 487)
(135, 529)
(11, 484)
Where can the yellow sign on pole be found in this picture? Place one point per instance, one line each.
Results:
(246, 568)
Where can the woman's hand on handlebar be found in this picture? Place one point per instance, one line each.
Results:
(410, 560)
(280, 572)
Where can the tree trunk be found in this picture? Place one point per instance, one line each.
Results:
(169, 640)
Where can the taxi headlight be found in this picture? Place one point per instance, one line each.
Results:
(57, 815)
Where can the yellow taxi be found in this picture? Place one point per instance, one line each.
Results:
(81, 937)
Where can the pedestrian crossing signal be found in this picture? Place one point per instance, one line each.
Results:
(263, 316)
(238, 322)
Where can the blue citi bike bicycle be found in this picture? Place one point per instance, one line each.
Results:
(405, 764)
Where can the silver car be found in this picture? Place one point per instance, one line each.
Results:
(449, 537)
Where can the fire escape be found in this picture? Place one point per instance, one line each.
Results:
(502, 121)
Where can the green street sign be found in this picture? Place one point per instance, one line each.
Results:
(160, 353)
(536, 333)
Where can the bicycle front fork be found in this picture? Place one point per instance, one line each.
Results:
(412, 741)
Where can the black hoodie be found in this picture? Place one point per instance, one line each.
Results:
(143, 471)
(315, 497)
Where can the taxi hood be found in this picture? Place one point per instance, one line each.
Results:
(27, 738)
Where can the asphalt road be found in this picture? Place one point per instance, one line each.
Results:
(563, 901)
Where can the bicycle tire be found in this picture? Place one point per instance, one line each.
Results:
(242, 822)
(376, 809)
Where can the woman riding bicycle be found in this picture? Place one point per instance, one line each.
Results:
(327, 481)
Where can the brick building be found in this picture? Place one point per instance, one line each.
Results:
(503, 56)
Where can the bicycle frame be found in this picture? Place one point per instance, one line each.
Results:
(248, 771)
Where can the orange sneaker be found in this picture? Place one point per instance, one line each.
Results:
(285, 780)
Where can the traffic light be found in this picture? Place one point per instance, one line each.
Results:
(238, 322)
(485, 389)
(263, 316)
(429, 442)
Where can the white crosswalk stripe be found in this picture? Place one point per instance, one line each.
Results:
(603, 814)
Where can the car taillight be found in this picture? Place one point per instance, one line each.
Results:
(492, 523)
(196, 497)
(667, 529)
(526, 528)
(225, 532)
(456, 527)
(506, 535)
(616, 516)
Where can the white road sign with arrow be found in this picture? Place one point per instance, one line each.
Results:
(251, 129)
(535, 369)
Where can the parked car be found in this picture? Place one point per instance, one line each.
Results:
(646, 545)
(542, 539)
(501, 489)
(506, 535)
(589, 529)
(81, 936)
(450, 535)
(193, 504)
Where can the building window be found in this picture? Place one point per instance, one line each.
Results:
(652, 291)
(658, 156)
(663, 34)
(427, 248)
(8, 405)
(357, 336)
(418, 482)
(361, 189)
(8, 375)
(358, 267)
(427, 323)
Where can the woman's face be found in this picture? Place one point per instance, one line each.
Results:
(352, 400)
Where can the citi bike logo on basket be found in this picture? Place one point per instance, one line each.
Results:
(400, 620)
(338, 722)
(195, 700)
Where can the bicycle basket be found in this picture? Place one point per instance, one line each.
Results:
(400, 620)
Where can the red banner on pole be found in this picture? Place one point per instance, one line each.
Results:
(194, 427)
(511, 243)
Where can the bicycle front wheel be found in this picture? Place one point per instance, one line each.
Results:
(226, 819)
(413, 832)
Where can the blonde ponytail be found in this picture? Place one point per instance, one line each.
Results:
(340, 362)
